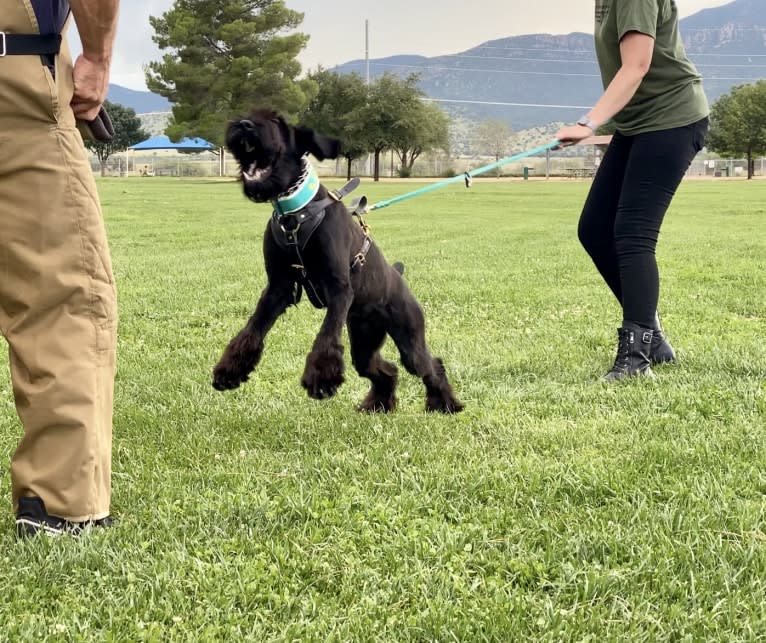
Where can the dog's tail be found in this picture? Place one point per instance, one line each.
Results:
(399, 267)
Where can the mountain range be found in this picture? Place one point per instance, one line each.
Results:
(141, 102)
(727, 43)
(532, 80)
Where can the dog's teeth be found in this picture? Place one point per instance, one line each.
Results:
(254, 173)
(249, 172)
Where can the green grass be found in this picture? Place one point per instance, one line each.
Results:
(554, 508)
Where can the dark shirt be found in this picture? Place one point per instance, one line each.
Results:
(51, 14)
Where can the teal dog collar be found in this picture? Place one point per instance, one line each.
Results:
(301, 194)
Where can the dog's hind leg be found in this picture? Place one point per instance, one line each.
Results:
(408, 333)
(244, 351)
(366, 339)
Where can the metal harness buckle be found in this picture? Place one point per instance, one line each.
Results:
(2, 44)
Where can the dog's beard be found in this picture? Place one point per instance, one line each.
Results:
(267, 180)
(257, 179)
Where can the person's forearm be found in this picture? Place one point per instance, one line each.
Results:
(97, 25)
(618, 94)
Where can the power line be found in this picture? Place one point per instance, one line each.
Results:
(559, 51)
(707, 78)
(728, 55)
(490, 71)
(562, 60)
(718, 29)
(514, 58)
(488, 102)
(590, 51)
(523, 73)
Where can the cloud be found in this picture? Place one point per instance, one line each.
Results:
(134, 47)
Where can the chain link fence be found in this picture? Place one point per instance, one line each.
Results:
(722, 168)
(163, 163)
(207, 164)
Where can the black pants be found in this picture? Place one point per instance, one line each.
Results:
(621, 220)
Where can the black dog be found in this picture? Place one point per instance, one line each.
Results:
(312, 242)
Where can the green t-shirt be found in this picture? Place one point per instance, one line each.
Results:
(671, 93)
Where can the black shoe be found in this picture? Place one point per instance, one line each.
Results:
(662, 352)
(32, 519)
(634, 345)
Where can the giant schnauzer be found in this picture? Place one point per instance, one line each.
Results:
(314, 243)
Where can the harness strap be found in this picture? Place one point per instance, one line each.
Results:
(303, 282)
(361, 256)
(295, 229)
(14, 44)
(292, 232)
(338, 194)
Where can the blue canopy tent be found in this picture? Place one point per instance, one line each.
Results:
(162, 142)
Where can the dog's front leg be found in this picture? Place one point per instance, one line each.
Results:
(324, 364)
(244, 351)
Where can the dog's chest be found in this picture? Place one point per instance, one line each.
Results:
(293, 231)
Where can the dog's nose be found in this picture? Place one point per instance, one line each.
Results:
(247, 124)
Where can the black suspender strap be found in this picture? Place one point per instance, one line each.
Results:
(14, 44)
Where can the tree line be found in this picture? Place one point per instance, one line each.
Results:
(225, 57)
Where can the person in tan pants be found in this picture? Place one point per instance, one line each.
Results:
(58, 308)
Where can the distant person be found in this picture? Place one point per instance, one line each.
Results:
(655, 96)
(468, 179)
(58, 308)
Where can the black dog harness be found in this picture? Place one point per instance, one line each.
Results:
(292, 231)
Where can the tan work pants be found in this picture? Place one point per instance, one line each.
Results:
(58, 308)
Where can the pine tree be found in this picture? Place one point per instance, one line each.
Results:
(224, 57)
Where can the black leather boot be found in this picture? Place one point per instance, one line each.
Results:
(662, 352)
(634, 345)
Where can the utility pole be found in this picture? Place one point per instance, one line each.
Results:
(367, 73)
(367, 49)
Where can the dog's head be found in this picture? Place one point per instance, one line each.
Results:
(270, 152)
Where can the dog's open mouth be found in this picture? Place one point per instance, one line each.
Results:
(255, 174)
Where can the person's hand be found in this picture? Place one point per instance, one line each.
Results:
(573, 135)
(91, 84)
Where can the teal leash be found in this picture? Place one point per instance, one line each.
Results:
(461, 177)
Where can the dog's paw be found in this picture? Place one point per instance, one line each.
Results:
(238, 361)
(227, 379)
(446, 404)
(374, 403)
(323, 375)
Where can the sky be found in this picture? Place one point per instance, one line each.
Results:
(337, 28)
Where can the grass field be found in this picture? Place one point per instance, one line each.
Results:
(554, 508)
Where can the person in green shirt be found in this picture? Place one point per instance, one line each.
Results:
(654, 95)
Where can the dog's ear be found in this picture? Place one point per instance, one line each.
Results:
(320, 146)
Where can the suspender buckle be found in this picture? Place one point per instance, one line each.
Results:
(2, 44)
